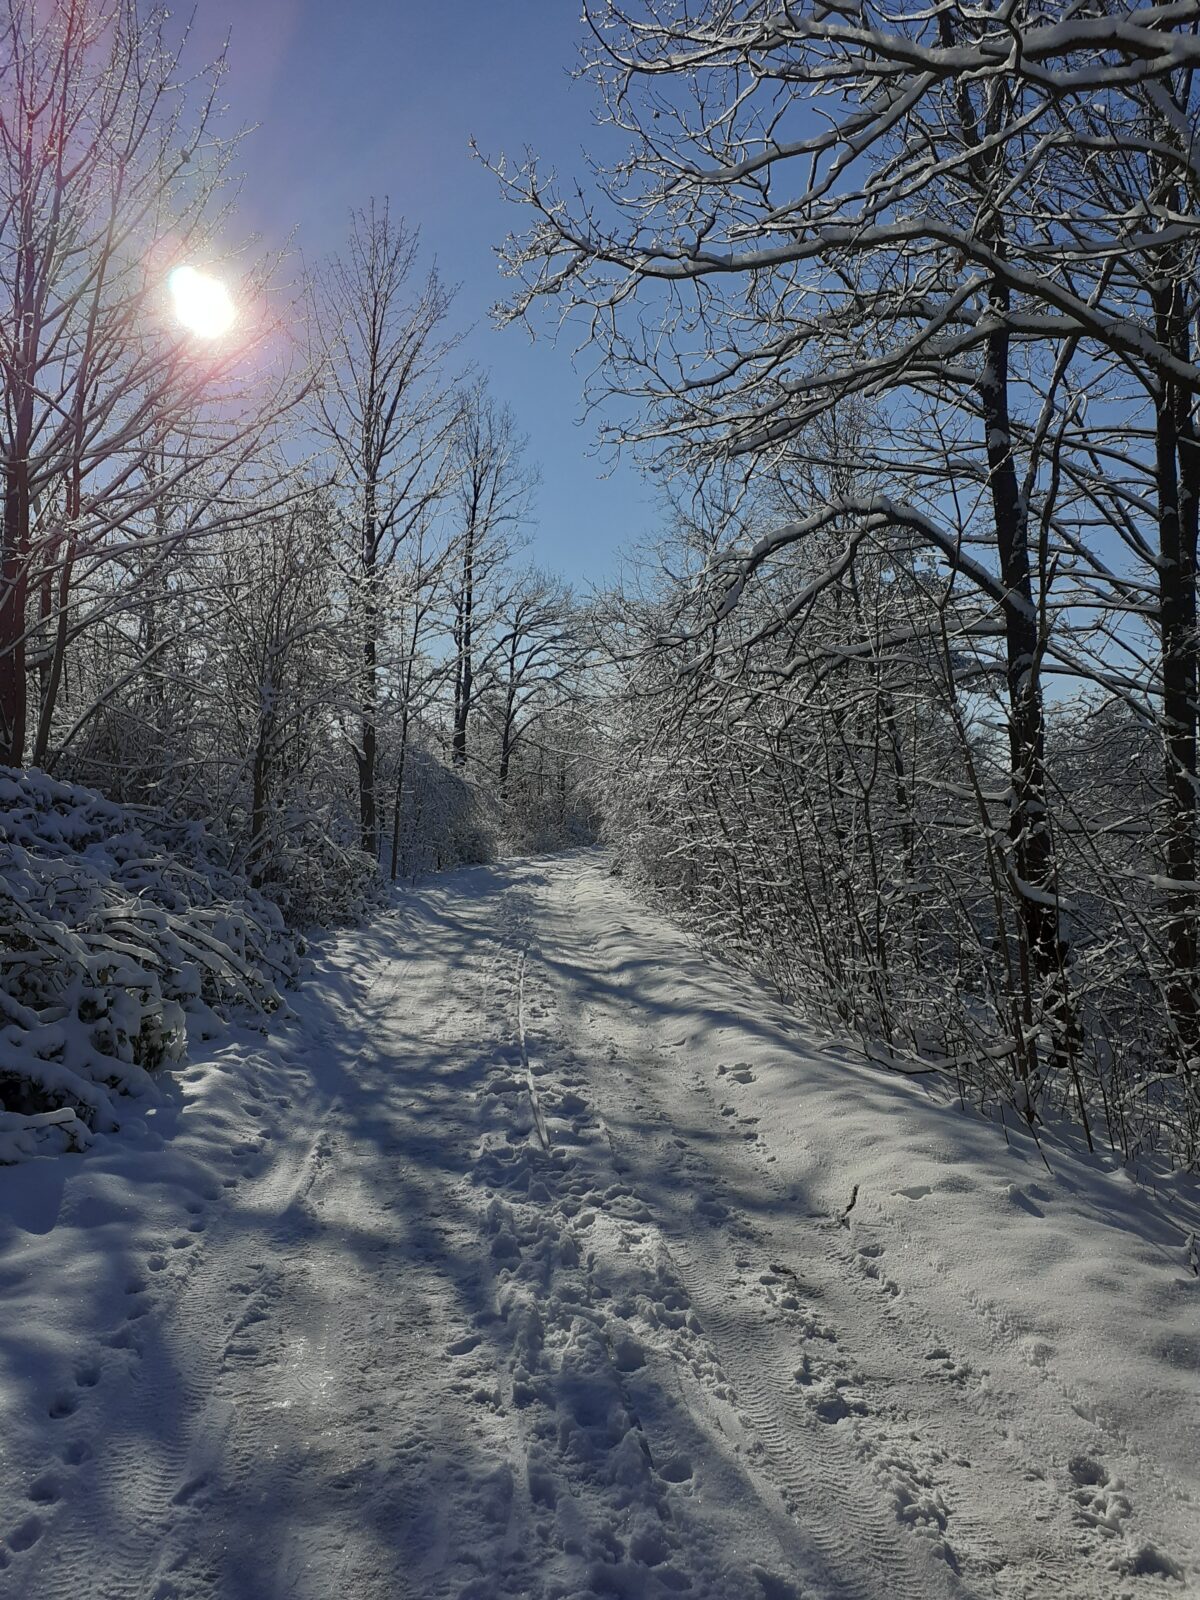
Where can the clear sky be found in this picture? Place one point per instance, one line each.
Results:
(356, 98)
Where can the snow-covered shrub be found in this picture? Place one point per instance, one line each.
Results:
(120, 936)
(446, 820)
(314, 870)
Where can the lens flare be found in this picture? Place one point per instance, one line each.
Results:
(202, 303)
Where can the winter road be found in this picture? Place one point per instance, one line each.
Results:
(507, 1273)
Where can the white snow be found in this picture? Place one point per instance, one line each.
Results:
(764, 1322)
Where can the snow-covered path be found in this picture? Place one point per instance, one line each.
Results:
(515, 1266)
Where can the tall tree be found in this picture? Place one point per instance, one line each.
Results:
(385, 411)
(537, 644)
(493, 488)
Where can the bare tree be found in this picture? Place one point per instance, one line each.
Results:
(384, 411)
(537, 645)
(493, 490)
(417, 677)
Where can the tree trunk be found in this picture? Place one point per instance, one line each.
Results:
(258, 804)
(369, 687)
(1032, 855)
(510, 711)
(367, 753)
(14, 585)
(399, 791)
(1177, 470)
(52, 679)
(465, 672)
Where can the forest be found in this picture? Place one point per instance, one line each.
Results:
(893, 711)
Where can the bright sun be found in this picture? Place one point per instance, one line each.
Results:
(203, 304)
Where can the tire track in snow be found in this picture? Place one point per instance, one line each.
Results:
(868, 1508)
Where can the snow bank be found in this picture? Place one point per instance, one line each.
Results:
(121, 935)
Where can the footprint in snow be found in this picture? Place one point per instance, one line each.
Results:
(774, 1588)
(740, 1072)
(44, 1490)
(832, 1402)
(1099, 1501)
(675, 1469)
(25, 1535)
(956, 1371)
(867, 1258)
(1087, 1473)
(1017, 1197)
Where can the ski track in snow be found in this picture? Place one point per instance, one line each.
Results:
(336, 1322)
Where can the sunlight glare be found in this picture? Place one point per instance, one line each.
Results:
(203, 304)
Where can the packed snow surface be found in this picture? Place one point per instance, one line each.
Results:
(537, 1254)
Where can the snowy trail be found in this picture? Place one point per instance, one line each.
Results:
(339, 1323)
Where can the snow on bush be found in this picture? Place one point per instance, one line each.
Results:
(312, 868)
(120, 936)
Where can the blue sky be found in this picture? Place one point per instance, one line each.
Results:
(356, 98)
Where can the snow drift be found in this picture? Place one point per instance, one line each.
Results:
(121, 936)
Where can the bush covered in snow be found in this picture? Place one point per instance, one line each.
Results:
(121, 935)
(311, 867)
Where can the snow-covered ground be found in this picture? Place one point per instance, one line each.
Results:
(332, 1321)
